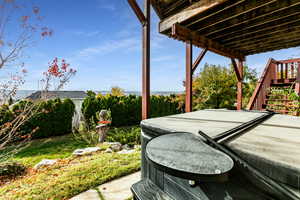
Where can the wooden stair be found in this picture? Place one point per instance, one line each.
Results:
(278, 79)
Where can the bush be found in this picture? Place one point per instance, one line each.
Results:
(54, 118)
(130, 136)
(11, 169)
(126, 110)
(6, 115)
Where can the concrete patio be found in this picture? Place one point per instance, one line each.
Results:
(115, 190)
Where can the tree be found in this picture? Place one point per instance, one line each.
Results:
(216, 87)
(57, 75)
(117, 91)
(18, 32)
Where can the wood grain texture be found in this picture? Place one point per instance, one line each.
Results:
(247, 26)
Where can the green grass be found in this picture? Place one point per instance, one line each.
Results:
(62, 146)
(71, 175)
(66, 180)
(50, 148)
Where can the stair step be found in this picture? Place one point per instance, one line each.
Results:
(282, 105)
(281, 100)
(284, 111)
(283, 81)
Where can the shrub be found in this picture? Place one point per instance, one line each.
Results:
(53, 118)
(6, 115)
(130, 136)
(126, 110)
(11, 169)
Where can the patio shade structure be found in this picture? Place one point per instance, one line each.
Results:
(231, 28)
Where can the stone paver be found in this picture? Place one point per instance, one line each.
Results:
(118, 189)
(87, 195)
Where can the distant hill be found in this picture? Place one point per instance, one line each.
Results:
(21, 94)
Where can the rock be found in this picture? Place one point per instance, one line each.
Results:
(126, 146)
(115, 146)
(125, 151)
(45, 163)
(108, 150)
(85, 151)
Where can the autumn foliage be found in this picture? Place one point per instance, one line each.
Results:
(58, 74)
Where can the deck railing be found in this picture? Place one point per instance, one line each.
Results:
(287, 70)
(275, 72)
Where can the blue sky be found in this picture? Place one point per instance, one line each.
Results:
(102, 40)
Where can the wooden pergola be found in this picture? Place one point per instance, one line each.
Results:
(231, 28)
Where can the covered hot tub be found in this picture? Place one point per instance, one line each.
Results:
(220, 154)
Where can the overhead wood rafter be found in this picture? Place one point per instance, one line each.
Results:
(185, 34)
(241, 25)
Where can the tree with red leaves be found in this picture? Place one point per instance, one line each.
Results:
(58, 74)
(18, 32)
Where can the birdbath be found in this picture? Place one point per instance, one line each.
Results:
(103, 124)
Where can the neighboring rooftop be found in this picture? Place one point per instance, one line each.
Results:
(59, 94)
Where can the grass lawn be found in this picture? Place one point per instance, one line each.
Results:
(71, 175)
(50, 148)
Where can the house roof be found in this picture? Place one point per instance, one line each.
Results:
(233, 28)
(58, 94)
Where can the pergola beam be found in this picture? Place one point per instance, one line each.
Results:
(266, 36)
(187, 13)
(198, 60)
(237, 70)
(263, 27)
(138, 12)
(248, 20)
(244, 16)
(282, 44)
(185, 34)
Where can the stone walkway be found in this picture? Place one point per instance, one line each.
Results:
(118, 189)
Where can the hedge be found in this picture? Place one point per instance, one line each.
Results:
(126, 110)
(53, 118)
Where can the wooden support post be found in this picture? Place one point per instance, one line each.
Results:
(239, 74)
(240, 87)
(146, 63)
(189, 77)
(144, 18)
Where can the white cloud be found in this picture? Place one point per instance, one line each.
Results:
(87, 33)
(110, 46)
